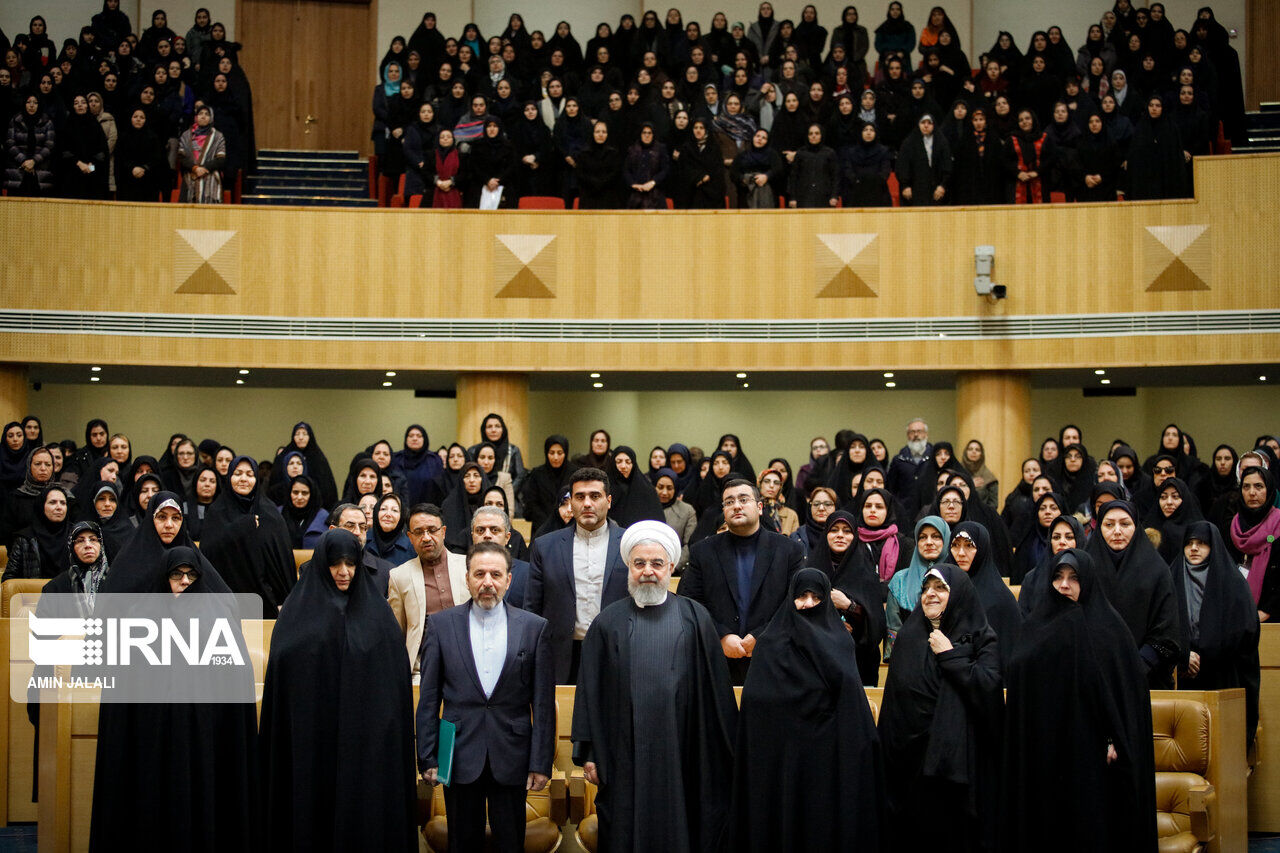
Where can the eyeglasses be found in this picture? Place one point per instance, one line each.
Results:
(656, 565)
(356, 528)
(1163, 470)
(951, 502)
(420, 531)
(741, 500)
(179, 574)
(87, 540)
(822, 504)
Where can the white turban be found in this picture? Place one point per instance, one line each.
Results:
(655, 531)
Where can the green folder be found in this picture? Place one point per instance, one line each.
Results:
(444, 752)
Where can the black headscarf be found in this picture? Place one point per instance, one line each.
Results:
(997, 601)
(1174, 527)
(383, 543)
(1219, 620)
(858, 580)
(420, 466)
(298, 520)
(317, 466)
(51, 536)
(351, 488)
(12, 461)
(590, 459)
(541, 490)
(1075, 683)
(1136, 581)
(247, 541)
(939, 729)
(133, 497)
(684, 478)
(337, 715)
(136, 568)
(708, 492)
(634, 498)
(116, 529)
(458, 508)
(1032, 588)
(805, 716)
(1034, 545)
(741, 464)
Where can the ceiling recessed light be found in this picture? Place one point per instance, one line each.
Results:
(742, 376)
(1262, 379)
(95, 378)
(597, 384)
(891, 384)
(888, 374)
(386, 384)
(239, 381)
(95, 368)
(746, 384)
(1100, 372)
(391, 373)
(1106, 382)
(595, 376)
(244, 371)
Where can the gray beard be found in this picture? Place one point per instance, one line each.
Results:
(917, 447)
(646, 594)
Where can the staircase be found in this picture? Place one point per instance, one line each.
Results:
(312, 178)
(1262, 129)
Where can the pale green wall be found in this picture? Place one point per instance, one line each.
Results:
(257, 420)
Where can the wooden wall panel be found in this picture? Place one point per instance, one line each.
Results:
(995, 408)
(482, 393)
(1264, 801)
(1262, 31)
(704, 265)
(13, 393)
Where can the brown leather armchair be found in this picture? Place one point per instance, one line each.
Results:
(1186, 804)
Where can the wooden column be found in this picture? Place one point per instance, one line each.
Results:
(13, 392)
(994, 407)
(504, 393)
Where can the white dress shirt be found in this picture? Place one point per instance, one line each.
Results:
(489, 644)
(590, 548)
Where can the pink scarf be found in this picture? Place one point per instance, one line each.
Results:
(1256, 545)
(889, 553)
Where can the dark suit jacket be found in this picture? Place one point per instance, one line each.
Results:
(515, 728)
(711, 579)
(551, 592)
(519, 588)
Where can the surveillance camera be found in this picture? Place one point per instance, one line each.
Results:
(999, 291)
(984, 259)
(36, 386)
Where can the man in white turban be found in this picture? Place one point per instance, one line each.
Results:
(654, 715)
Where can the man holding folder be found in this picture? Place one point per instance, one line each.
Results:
(490, 665)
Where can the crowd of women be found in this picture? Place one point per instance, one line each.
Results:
(746, 115)
(1133, 573)
(114, 114)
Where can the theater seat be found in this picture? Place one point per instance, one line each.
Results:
(300, 557)
(1186, 804)
(541, 202)
(397, 200)
(541, 832)
(588, 831)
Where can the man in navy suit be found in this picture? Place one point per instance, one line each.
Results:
(742, 575)
(577, 572)
(491, 524)
(490, 664)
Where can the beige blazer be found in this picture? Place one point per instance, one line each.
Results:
(407, 597)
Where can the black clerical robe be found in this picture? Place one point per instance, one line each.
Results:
(655, 711)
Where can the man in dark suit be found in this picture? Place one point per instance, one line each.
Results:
(351, 518)
(577, 572)
(742, 575)
(491, 524)
(490, 664)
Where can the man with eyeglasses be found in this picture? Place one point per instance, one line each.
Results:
(654, 714)
(907, 465)
(434, 580)
(742, 575)
(577, 572)
(351, 518)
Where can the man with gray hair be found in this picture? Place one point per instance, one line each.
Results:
(906, 466)
(654, 715)
(491, 524)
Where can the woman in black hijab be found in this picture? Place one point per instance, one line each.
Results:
(1065, 532)
(634, 498)
(545, 483)
(336, 740)
(1135, 480)
(738, 460)
(461, 504)
(304, 440)
(83, 153)
(163, 528)
(1176, 507)
(302, 513)
(138, 495)
(1137, 584)
(110, 517)
(40, 550)
(491, 164)
(856, 592)
(246, 539)
(1156, 163)
(1219, 480)
(596, 169)
(138, 159)
(1078, 723)
(1034, 544)
(971, 550)
(805, 726)
(364, 477)
(387, 537)
(417, 462)
(208, 486)
(1219, 620)
(941, 720)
